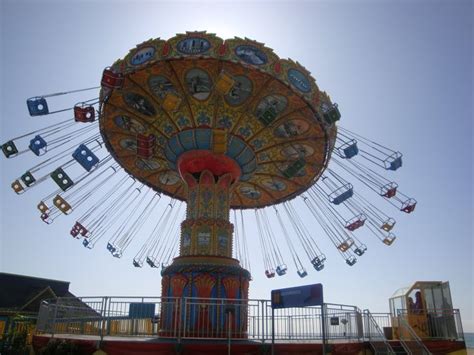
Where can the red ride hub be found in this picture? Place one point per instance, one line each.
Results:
(196, 161)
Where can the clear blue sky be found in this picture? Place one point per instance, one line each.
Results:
(401, 72)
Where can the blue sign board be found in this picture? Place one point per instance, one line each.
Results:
(141, 310)
(302, 296)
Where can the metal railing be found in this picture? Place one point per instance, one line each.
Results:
(375, 335)
(196, 318)
(409, 340)
(187, 318)
(382, 320)
(434, 323)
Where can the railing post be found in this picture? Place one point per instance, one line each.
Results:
(103, 307)
(54, 317)
(107, 312)
(177, 304)
(458, 325)
(323, 325)
(184, 311)
(289, 326)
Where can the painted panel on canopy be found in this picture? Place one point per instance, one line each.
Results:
(287, 67)
(251, 56)
(301, 123)
(294, 102)
(134, 59)
(117, 105)
(125, 149)
(228, 115)
(117, 120)
(200, 97)
(213, 41)
(141, 80)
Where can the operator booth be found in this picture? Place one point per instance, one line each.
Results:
(426, 307)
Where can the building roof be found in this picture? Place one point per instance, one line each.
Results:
(25, 293)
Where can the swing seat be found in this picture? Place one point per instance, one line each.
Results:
(87, 244)
(45, 218)
(145, 145)
(389, 239)
(389, 190)
(110, 248)
(17, 187)
(270, 273)
(356, 222)
(62, 205)
(84, 113)
(388, 225)
(37, 106)
(61, 179)
(137, 263)
(393, 162)
(345, 245)
(355, 225)
(281, 270)
(74, 233)
(408, 206)
(28, 179)
(38, 145)
(360, 250)
(349, 149)
(9, 149)
(302, 273)
(84, 232)
(43, 207)
(111, 80)
(81, 229)
(318, 262)
(318, 267)
(152, 262)
(78, 229)
(332, 114)
(351, 260)
(341, 194)
(85, 157)
(294, 168)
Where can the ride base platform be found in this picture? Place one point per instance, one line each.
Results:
(112, 345)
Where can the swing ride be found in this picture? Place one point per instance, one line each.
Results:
(224, 126)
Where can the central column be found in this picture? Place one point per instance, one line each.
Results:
(205, 290)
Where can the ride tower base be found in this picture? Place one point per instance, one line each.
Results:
(221, 285)
(205, 268)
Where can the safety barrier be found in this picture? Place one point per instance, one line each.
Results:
(216, 318)
(433, 323)
(376, 337)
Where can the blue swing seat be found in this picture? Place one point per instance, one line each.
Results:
(341, 194)
(38, 145)
(281, 269)
(37, 106)
(351, 260)
(85, 157)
